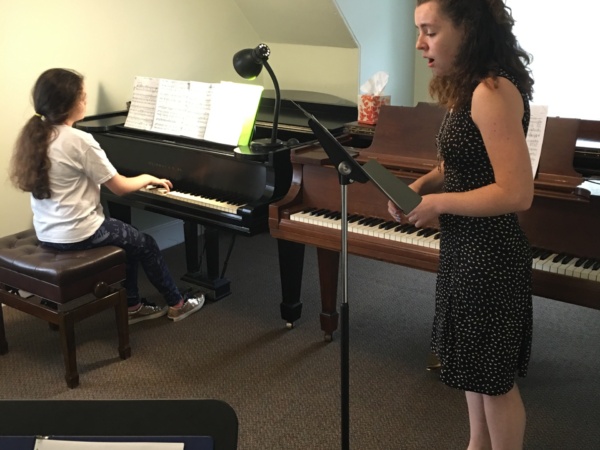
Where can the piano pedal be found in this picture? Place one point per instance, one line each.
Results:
(433, 363)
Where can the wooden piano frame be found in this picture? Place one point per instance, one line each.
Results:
(404, 141)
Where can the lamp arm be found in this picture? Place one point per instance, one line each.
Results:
(277, 102)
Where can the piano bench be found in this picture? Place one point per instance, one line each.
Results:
(62, 288)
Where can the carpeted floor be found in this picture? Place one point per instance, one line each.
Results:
(285, 384)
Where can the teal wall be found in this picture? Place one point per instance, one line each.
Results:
(385, 32)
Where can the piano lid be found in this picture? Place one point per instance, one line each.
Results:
(332, 111)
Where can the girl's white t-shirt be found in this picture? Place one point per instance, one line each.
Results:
(78, 168)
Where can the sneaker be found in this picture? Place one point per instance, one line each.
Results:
(146, 311)
(191, 305)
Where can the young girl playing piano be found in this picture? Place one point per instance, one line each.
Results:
(483, 315)
(63, 169)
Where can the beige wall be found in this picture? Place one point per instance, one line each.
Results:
(109, 42)
(112, 41)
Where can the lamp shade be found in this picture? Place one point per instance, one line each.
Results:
(249, 62)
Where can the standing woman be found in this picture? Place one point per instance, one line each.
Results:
(63, 169)
(482, 327)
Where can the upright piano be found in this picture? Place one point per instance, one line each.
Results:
(562, 224)
(213, 185)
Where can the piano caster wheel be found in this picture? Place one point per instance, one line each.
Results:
(289, 325)
(328, 337)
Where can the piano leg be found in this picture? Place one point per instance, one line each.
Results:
(218, 287)
(329, 262)
(291, 264)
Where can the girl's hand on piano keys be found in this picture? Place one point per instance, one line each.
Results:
(161, 184)
(121, 185)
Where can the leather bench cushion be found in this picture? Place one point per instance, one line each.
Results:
(55, 275)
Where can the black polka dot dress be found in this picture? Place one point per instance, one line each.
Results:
(482, 327)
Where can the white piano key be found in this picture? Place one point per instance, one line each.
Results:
(201, 201)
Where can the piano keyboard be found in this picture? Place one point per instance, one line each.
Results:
(207, 202)
(379, 228)
(543, 260)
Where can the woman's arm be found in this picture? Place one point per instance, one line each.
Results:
(497, 111)
(429, 183)
(121, 185)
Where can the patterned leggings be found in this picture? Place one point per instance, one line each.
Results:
(139, 248)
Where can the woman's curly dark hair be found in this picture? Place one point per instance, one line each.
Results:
(55, 94)
(488, 46)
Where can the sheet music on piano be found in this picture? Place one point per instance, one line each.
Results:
(219, 112)
(535, 134)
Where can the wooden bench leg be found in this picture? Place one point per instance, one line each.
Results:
(3, 342)
(123, 325)
(67, 343)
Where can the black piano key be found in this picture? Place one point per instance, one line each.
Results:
(403, 227)
(580, 262)
(430, 232)
(567, 259)
(588, 263)
(388, 225)
(376, 222)
(596, 265)
(422, 232)
(536, 252)
(412, 230)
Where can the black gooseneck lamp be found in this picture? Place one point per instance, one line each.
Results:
(248, 63)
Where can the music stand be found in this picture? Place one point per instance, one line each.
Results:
(349, 171)
(405, 198)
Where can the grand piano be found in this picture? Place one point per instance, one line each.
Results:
(562, 223)
(213, 185)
